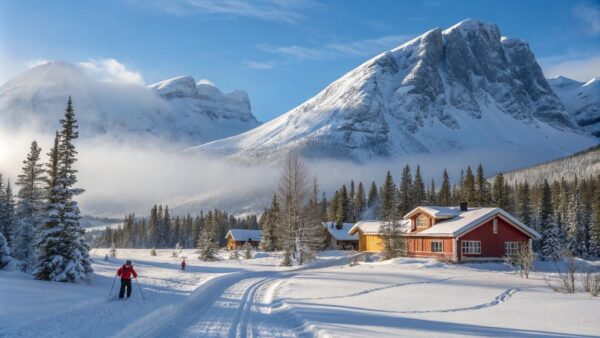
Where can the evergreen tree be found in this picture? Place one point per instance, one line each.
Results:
(324, 216)
(431, 198)
(373, 200)
(351, 207)
(388, 197)
(63, 251)
(551, 247)
(360, 202)
(482, 190)
(499, 192)
(594, 232)
(444, 197)
(343, 207)
(153, 227)
(247, 251)
(30, 207)
(573, 222)
(418, 190)
(469, 193)
(405, 202)
(166, 239)
(5, 257)
(269, 237)
(524, 208)
(207, 249)
(7, 212)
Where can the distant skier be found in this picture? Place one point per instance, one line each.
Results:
(125, 273)
(183, 265)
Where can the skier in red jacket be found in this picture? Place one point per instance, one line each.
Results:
(125, 273)
(183, 265)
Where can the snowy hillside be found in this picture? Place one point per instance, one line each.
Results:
(466, 87)
(582, 164)
(582, 101)
(176, 110)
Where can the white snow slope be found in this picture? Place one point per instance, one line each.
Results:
(176, 110)
(445, 91)
(256, 298)
(582, 101)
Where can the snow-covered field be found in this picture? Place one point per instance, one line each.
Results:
(257, 298)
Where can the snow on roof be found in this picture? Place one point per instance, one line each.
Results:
(244, 235)
(467, 220)
(372, 227)
(340, 234)
(436, 211)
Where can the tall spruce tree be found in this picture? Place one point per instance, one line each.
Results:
(63, 251)
(269, 237)
(469, 192)
(343, 208)
(388, 197)
(594, 232)
(524, 207)
(573, 221)
(7, 212)
(482, 190)
(30, 207)
(405, 202)
(444, 197)
(360, 202)
(500, 193)
(418, 193)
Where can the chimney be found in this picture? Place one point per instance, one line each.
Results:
(464, 206)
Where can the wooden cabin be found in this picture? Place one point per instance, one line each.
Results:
(237, 238)
(453, 233)
(338, 237)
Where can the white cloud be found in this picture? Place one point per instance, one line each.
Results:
(355, 48)
(589, 13)
(270, 10)
(264, 65)
(111, 70)
(580, 69)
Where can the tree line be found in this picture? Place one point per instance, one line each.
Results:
(161, 230)
(39, 226)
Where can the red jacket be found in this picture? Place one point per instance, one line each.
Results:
(126, 271)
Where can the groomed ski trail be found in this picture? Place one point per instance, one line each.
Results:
(236, 305)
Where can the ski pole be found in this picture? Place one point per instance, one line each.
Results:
(111, 288)
(138, 284)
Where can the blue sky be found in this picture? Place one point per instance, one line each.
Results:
(280, 52)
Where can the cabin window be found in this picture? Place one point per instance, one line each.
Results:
(495, 226)
(437, 246)
(511, 248)
(422, 222)
(471, 247)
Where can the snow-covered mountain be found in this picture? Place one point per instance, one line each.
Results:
(466, 87)
(176, 109)
(582, 101)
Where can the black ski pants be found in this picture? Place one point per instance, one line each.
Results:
(125, 283)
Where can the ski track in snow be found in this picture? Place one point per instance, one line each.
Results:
(501, 298)
(367, 291)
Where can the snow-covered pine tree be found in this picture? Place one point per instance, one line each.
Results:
(444, 196)
(551, 247)
(268, 241)
(351, 206)
(5, 257)
(500, 195)
(30, 207)
(247, 251)
(207, 249)
(545, 221)
(7, 211)
(234, 255)
(62, 249)
(594, 231)
(166, 228)
(573, 223)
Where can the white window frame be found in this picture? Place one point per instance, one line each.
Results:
(471, 247)
(441, 246)
(511, 248)
(495, 226)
